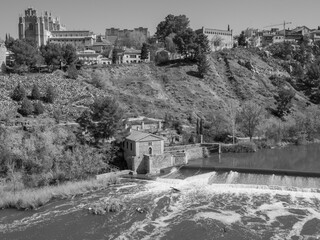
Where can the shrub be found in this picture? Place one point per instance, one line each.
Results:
(26, 108)
(18, 93)
(98, 80)
(35, 93)
(50, 94)
(72, 72)
(38, 108)
(243, 147)
(105, 206)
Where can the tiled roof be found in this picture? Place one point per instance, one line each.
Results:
(137, 135)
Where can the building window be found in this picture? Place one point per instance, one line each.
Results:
(127, 145)
(30, 26)
(131, 146)
(150, 150)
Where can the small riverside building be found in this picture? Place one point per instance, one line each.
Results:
(137, 145)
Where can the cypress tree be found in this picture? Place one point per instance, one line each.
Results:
(35, 93)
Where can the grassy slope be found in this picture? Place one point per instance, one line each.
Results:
(145, 89)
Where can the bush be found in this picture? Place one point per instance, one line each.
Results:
(98, 80)
(35, 93)
(72, 72)
(50, 94)
(38, 108)
(26, 108)
(105, 206)
(18, 93)
(243, 147)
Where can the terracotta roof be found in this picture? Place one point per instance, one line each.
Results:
(136, 135)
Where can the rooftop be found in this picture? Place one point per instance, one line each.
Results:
(136, 135)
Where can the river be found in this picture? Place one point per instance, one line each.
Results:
(185, 205)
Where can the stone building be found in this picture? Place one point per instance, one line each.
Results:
(137, 145)
(3, 51)
(79, 39)
(113, 34)
(225, 36)
(38, 28)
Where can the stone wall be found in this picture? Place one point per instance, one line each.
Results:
(157, 162)
(194, 153)
(140, 164)
(181, 147)
(179, 158)
(2, 57)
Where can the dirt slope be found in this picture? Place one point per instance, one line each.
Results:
(146, 89)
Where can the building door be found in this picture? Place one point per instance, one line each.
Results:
(150, 150)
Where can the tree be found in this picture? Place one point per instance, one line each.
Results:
(202, 44)
(115, 58)
(169, 44)
(137, 39)
(232, 110)
(69, 54)
(50, 94)
(185, 42)
(216, 42)
(72, 72)
(144, 52)
(102, 121)
(35, 93)
(168, 121)
(171, 24)
(38, 108)
(203, 65)
(25, 54)
(242, 40)
(26, 108)
(52, 54)
(9, 42)
(250, 117)
(18, 93)
(284, 102)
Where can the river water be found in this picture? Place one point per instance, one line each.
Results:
(182, 205)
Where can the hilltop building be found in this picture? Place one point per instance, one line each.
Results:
(219, 39)
(45, 29)
(38, 28)
(114, 34)
(79, 39)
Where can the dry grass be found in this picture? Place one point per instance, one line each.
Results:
(34, 198)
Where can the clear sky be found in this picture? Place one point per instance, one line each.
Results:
(97, 15)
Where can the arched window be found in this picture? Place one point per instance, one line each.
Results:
(150, 150)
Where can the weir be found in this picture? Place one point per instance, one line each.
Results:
(293, 166)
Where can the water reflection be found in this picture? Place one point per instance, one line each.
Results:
(299, 158)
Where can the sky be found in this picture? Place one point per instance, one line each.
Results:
(97, 15)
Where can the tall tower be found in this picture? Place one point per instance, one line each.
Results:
(37, 28)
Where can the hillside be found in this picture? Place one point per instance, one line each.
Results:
(146, 89)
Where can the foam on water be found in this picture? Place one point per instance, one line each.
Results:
(252, 211)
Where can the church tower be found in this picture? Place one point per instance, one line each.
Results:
(37, 28)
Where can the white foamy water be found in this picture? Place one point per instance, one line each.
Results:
(196, 207)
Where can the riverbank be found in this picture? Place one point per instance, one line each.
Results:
(36, 197)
